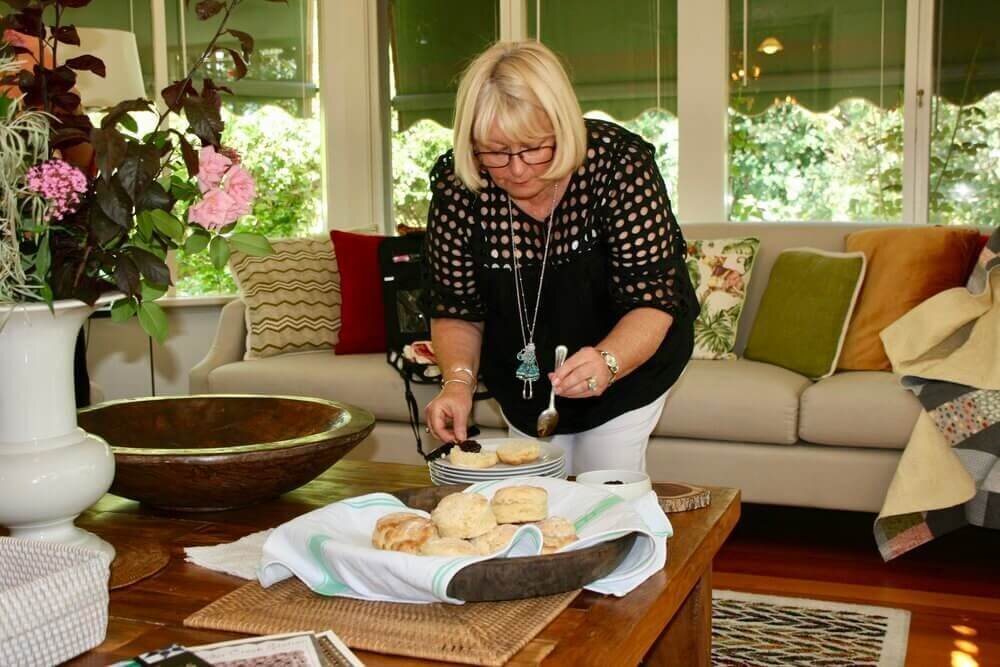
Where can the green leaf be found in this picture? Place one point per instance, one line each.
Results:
(129, 122)
(182, 189)
(43, 258)
(153, 320)
(197, 242)
(218, 250)
(168, 225)
(122, 310)
(255, 245)
(152, 291)
(144, 221)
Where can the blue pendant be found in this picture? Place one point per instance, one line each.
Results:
(527, 370)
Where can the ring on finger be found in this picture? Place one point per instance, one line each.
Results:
(592, 383)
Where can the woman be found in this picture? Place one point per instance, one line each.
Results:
(546, 229)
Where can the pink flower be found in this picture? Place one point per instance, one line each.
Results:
(239, 184)
(214, 211)
(212, 167)
(60, 183)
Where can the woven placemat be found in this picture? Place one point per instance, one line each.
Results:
(136, 560)
(480, 633)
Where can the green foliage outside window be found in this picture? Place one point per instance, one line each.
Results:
(283, 154)
(789, 163)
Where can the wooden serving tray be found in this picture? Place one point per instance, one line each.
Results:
(529, 576)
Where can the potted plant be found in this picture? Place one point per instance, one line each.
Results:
(88, 215)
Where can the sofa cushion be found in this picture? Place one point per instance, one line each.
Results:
(858, 409)
(804, 313)
(292, 297)
(720, 271)
(905, 268)
(737, 400)
(364, 380)
(363, 326)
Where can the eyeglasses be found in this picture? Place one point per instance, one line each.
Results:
(532, 156)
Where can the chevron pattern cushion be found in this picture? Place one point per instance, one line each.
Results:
(292, 297)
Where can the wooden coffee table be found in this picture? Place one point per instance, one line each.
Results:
(666, 621)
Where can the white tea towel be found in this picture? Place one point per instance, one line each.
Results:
(239, 558)
(330, 548)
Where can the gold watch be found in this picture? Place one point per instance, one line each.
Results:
(612, 363)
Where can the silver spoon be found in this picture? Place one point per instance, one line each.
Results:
(549, 419)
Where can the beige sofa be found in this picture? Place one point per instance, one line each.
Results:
(773, 433)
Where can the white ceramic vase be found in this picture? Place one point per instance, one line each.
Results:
(50, 469)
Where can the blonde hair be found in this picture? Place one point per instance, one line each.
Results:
(519, 86)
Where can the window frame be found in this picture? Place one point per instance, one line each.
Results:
(703, 99)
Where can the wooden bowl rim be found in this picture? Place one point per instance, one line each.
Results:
(353, 420)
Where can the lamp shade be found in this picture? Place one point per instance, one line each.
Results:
(118, 50)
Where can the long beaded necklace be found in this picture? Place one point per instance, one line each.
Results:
(527, 369)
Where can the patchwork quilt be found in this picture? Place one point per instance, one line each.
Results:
(948, 351)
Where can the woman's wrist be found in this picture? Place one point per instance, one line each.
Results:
(459, 383)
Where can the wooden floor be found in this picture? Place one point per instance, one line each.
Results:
(951, 586)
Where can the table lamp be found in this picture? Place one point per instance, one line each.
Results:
(118, 50)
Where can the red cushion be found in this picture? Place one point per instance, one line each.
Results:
(362, 318)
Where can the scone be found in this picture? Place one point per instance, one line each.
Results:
(519, 452)
(520, 504)
(403, 531)
(448, 546)
(557, 532)
(495, 540)
(482, 459)
(463, 515)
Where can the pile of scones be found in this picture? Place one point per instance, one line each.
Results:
(469, 524)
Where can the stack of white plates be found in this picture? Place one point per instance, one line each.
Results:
(551, 463)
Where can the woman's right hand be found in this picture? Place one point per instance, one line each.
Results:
(447, 416)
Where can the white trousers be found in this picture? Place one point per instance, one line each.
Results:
(619, 444)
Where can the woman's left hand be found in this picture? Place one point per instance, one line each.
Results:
(583, 375)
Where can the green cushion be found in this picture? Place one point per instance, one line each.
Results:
(807, 305)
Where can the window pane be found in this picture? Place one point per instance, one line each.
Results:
(272, 119)
(430, 43)
(816, 119)
(622, 59)
(964, 183)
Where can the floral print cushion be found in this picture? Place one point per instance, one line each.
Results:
(720, 272)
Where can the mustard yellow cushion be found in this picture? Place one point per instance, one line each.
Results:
(905, 267)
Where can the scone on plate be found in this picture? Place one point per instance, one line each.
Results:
(519, 452)
(520, 504)
(448, 546)
(463, 515)
(482, 459)
(557, 532)
(495, 540)
(403, 531)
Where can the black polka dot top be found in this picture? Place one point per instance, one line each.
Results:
(615, 246)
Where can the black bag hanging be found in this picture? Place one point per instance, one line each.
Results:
(401, 265)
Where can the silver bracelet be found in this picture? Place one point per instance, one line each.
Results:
(460, 381)
(468, 371)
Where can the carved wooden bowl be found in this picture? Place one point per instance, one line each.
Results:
(215, 452)
(528, 576)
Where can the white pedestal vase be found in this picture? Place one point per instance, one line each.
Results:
(50, 469)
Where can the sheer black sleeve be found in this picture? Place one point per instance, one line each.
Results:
(646, 246)
(449, 266)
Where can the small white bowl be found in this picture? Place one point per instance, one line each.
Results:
(635, 484)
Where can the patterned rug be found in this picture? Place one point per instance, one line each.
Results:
(768, 631)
